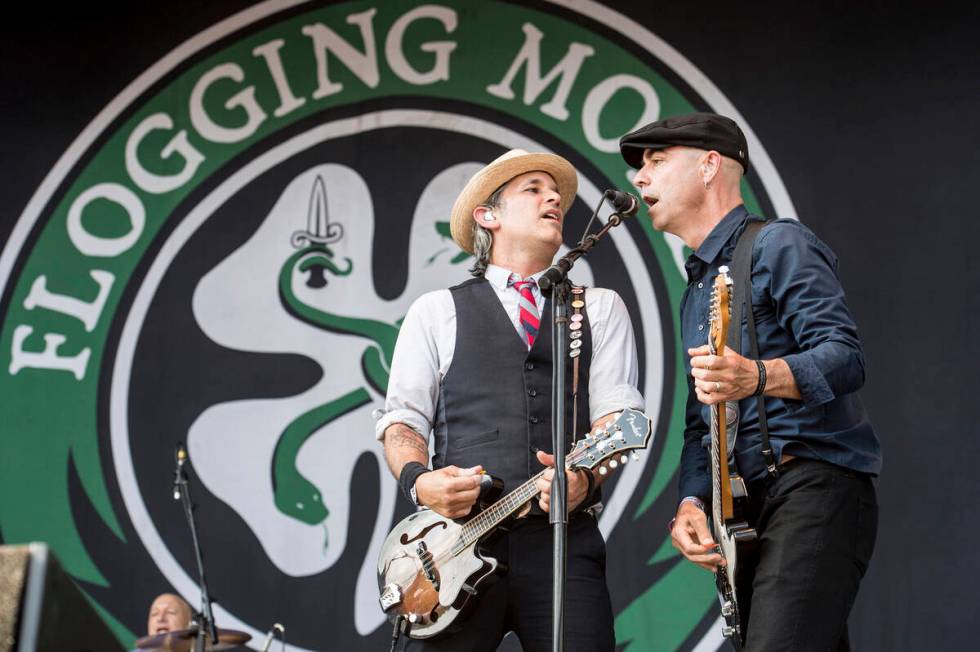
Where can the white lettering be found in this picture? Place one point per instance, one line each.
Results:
(47, 359)
(92, 245)
(287, 101)
(599, 96)
(364, 65)
(566, 70)
(244, 99)
(87, 313)
(442, 49)
(156, 183)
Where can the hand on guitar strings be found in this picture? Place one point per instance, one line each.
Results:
(692, 537)
(578, 484)
(449, 491)
(717, 378)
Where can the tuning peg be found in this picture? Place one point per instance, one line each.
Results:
(602, 470)
(613, 464)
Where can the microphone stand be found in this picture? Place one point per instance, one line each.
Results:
(555, 281)
(558, 514)
(205, 621)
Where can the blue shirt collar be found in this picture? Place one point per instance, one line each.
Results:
(721, 234)
(716, 242)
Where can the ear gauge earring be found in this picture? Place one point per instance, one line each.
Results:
(488, 216)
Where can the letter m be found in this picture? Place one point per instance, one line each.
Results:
(565, 70)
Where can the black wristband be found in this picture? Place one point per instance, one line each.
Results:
(761, 387)
(410, 473)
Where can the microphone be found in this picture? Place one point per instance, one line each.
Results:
(272, 632)
(623, 202)
(181, 456)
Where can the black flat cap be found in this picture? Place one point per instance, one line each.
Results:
(701, 130)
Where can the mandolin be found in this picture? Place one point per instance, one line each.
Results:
(431, 567)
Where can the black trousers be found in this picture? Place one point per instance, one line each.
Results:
(817, 524)
(520, 601)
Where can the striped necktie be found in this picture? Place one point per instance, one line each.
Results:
(528, 309)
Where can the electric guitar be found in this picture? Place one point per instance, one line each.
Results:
(432, 567)
(728, 492)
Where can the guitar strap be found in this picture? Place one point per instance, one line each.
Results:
(574, 352)
(742, 275)
(578, 306)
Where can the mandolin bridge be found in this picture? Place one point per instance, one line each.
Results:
(428, 564)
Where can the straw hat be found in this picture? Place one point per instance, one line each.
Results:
(509, 165)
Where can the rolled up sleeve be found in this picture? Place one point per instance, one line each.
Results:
(799, 272)
(413, 384)
(614, 369)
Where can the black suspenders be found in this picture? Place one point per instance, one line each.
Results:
(742, 276)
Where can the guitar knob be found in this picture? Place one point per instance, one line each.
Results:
(624, 459)
(413, 618)
(602, 470)
(613, 464)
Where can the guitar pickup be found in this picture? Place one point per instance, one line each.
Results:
(738, 487)
(391, 595)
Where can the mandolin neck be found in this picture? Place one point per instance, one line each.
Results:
(484, 522)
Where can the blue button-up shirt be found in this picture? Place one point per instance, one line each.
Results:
(801, 316)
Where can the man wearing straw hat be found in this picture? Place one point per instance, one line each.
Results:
(473, 367)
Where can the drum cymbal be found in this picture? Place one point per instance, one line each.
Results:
(182, 640)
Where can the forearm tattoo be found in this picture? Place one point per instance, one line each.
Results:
(405, 437)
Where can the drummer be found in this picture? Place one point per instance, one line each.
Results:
(168, 613)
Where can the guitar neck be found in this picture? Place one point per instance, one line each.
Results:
(494, 515)
(719, 414)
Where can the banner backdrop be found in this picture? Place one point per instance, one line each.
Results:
(232, 210)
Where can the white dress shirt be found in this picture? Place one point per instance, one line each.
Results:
(427, 341)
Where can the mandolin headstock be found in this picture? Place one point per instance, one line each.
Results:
(630, 431)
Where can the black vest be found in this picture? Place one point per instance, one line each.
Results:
(494, 405)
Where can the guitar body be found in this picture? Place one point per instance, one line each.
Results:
(735, 539)
(437, 598)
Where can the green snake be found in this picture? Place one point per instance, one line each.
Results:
(293, 493)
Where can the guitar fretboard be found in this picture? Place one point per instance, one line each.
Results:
(717, 520)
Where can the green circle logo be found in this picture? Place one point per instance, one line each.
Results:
(224, 257)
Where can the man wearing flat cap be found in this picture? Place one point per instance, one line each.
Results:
(472, 366)
(804, 443)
